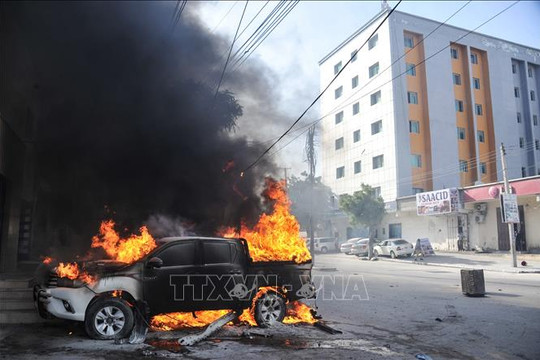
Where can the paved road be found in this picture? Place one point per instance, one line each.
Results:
(397, 322)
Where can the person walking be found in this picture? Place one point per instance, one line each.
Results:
(418, 251)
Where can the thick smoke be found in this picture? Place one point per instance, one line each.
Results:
(125, 127)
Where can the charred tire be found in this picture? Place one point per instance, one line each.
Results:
(324, 250)
(393, 255)
(109, 318)
(269, 309)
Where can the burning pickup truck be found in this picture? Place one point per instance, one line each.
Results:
(182, 274)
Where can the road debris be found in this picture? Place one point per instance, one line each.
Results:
(322, 326)
(210, 329)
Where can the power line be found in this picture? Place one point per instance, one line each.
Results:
(230, 50)
(224, 16)
(321, 94)
(180, 5)
(265, 34)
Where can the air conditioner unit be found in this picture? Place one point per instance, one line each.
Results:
(479, 218)
(480, 208)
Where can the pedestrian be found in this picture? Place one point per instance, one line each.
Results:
(418, 250)
(460, 243)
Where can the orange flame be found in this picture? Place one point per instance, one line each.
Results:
(276, 237)
(297, 312)
(126, 250)
(47, 260)
(72, 272)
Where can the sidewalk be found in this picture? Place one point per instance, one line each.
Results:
(470, 260)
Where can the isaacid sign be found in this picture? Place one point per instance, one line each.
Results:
(437, 202)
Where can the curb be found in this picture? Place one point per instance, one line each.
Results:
(459, 266)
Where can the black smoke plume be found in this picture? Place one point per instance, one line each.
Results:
(123, 124)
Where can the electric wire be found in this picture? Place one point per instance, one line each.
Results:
(230, 50)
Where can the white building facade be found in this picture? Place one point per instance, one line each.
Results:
(414, 113)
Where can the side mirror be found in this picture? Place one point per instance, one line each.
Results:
(154, 263)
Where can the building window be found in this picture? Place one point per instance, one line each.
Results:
(340, 172)
(378, 161)
(516, 92)
(478, 109)
(374, 69)
(481, 136)
(459, 106)
(354, 55)
(483, 168)
(411, 69)
(535, 120)
(338, 92)
(377, 192)
(357, 167)
(416, 160)
(373, 41)
(354, 81)
(530, 71)
(356, 136)
(523, 172)
(376, 98)
(409, 42)
(521, 142)
(519, 118)
(339, 117)
(454, 53)
(337, 68)
(412, 97)
(463, 166)
(476, 83)
(461, 133)
(474, 58)
(414, 127)
(356, 108)
(537, 144)
(339, 143)
(456, 78)
(514, 68)
(376, 127)
(533, 95)
(416, 190)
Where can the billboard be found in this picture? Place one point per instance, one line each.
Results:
(437, 202)
(510, 210)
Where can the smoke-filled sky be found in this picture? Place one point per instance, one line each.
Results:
(127, 124)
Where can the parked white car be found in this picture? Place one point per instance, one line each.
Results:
(360, 248)
(393, 248)
(347, 246)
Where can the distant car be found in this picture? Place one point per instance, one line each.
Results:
(360, 248)
(393, 248)
(324, 244)
(346, 247)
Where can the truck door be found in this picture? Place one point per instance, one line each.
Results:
(223, 265)
(167, 289)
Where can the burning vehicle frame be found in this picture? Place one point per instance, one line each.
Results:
(185, 274)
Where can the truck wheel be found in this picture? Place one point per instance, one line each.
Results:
(269, 309)
(324, 250)
(375, 253)
(393, 255)
(110, 318)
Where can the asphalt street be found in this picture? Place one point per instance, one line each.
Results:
(384, 309)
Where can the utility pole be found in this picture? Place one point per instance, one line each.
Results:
(286, 177)
(508, 190)
(310, 155)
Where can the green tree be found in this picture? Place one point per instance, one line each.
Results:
(364, 207)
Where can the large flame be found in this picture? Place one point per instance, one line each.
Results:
(276, 237)
(125, 250)
(72, 272)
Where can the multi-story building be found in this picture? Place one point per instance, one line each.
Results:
(422, 107)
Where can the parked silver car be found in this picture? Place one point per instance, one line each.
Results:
(347, 246)
(360, 248)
